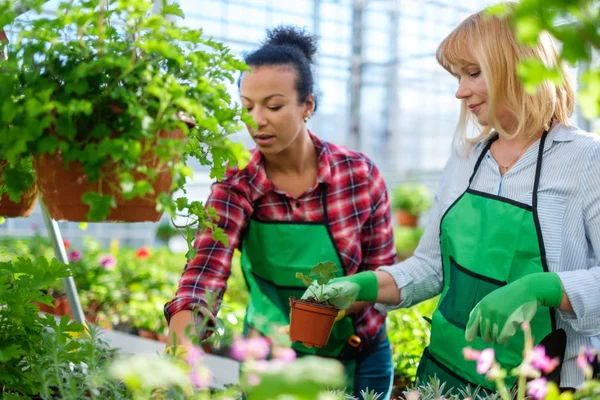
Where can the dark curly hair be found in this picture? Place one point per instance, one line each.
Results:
(288, 45)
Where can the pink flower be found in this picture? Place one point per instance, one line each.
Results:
(67, 244)
(194, 355)
(250, 349)
(253, 379)
(142, 253)
(541, 361)
(74, 255)
(107, 261)
(284, 354)
(538, 388)
(200, 377)
(471, 354)
(485, 361)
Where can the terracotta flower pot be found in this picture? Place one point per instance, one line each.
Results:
(61, 307)
(311, 323)
(62, 188)
(147, 334)
(404, 218)
(21, 208)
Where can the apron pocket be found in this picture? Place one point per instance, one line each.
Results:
(467, 288)
(430, 367)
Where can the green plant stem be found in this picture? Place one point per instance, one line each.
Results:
(57, 370)
(502, 389)
(521, 387)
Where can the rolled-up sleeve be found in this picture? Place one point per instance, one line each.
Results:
(420, 277)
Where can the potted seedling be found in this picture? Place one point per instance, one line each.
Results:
(312, 319)
(409, 201)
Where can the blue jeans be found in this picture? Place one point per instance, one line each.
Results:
(376, 372)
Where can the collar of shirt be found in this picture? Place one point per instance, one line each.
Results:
(258, 176)
(559, 133)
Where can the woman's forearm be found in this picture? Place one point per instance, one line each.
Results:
(388, 292)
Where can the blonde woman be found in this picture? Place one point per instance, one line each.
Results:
(514, 234)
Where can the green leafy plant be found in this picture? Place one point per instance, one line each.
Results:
(99, 83)
(42, 355)
(574, 24)
(409, 330)
(406, 240)
(413, 198)
(325, 272)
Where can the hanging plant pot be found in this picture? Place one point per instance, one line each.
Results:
(62, 188)
(21, 208)
(404, 218)
(310, 322)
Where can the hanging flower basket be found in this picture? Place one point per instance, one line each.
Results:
(63, 188)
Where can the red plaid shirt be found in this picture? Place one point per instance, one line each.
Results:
(359, 218)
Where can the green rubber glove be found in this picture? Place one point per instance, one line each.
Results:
(342, 292)
(499, 314)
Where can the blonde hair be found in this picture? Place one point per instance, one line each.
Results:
(490, 42)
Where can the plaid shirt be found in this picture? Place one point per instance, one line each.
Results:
(359, 219)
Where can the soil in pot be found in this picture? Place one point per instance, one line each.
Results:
(311, 322)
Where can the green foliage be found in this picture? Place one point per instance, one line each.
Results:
(98, 81)
(406, 240)
(325, 271)
(18, 177)
(40, 355)
(414, 198)
(409, 335)
(304, 379)
(574, 24)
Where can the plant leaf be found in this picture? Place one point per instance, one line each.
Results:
(305, 279)
(325, 270)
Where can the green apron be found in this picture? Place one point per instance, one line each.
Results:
(272, 253)
(486, 241)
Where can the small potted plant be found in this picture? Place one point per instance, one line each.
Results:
(409, 201)
(311, 320)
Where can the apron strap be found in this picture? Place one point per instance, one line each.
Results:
(538, 170)
(483, 153)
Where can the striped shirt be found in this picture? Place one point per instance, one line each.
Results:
(359, 220)
(569, 213)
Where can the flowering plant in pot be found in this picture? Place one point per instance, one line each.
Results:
(111, 99)
(312, 319)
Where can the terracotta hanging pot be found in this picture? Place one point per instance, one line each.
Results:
(404, 218)
(310, 322)
(21, 208)
(62, 188)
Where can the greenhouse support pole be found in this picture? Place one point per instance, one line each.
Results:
(61, 255)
